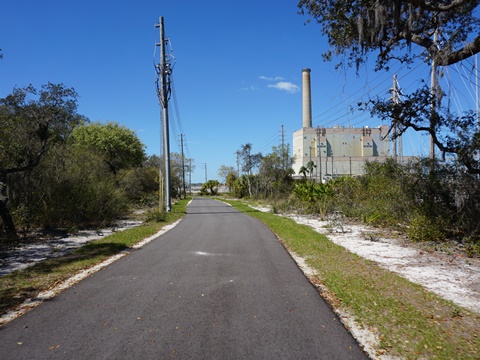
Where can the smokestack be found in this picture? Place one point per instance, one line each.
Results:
(306, 99)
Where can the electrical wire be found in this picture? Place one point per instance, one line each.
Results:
(343, 119)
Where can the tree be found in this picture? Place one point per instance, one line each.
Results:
(119, 146)
(249, 162)
(275, 172)
(210, 187)
(224, 171)
(356, 28)
(451, 133)
(72, 187)
(310, 166)
(177, 160)
(230, 181)
(304, 171)
(176, 174)
(31, 121)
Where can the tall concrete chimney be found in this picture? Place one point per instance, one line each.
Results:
(306, 99)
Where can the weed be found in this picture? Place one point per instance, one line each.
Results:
(372, 237)
(156, 215)
(336, 221)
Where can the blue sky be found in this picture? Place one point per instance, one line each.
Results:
(237, 75)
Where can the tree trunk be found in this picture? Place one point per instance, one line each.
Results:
(10, 230)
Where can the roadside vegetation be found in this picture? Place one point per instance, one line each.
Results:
(61, 172)
(411, 322)
(432, 208)
(25, 284)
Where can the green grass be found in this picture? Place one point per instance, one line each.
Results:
(20, 285)
(411, 322)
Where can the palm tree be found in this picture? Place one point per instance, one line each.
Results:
(310, 166)
(304, 171)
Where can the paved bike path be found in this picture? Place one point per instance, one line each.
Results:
(217, 286)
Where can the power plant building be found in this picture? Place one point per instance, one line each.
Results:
(335, 151)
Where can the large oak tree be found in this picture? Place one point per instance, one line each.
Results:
(119, 146)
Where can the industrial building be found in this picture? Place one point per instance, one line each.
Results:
(335, 151)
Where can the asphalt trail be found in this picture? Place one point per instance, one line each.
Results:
(217, 286)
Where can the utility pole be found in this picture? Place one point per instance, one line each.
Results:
(238, 163)
(183, 167)
(190, 176)
(395, 123)
(164, 70)
(319, 147)
(205, 166)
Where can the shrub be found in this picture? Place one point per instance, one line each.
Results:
(423, 229)
(156, 215)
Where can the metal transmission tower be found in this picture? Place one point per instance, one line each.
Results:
(164, 69)
(397, 130)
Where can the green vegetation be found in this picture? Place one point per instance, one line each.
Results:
(210, 188)
(118, 146)
(31, 123)
(25, 284)
(411, 322)
(273, 178)
(58, 170)
(425, 206)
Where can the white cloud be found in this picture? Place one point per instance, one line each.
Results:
(276, 78)
(285, 86)
(249, 88)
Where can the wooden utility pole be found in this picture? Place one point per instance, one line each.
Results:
(190, 176)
